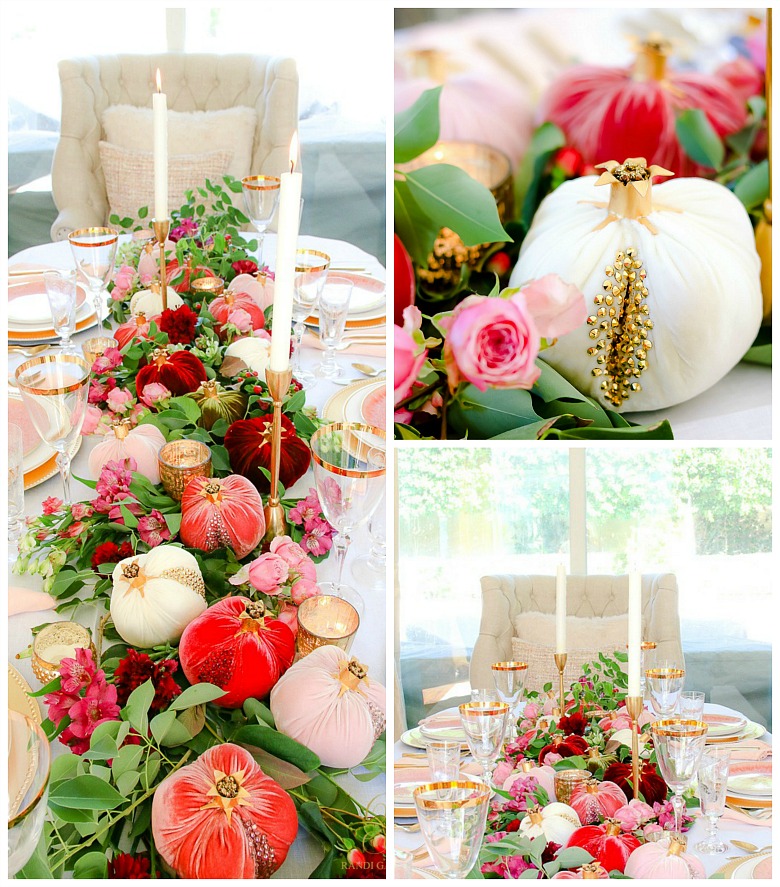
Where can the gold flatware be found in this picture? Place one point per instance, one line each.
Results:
(414, 827)
(371, 372)
(29, 350)
(36, 272)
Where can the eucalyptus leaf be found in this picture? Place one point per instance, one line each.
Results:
(545, 141)
(487, 414)
(753, 187)
(573, 857)
(137, 707)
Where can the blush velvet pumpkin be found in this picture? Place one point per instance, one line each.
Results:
(236, 646)
(222, 817)
(222, 513)
(180, 371)
(248, 443)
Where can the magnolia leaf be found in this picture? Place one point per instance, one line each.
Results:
(698, 138)
(417, 128)
(197, 694)
(325, 868)
(487, 414)
(416, 231)
(276, 743)
(753, 187)
(546, 140)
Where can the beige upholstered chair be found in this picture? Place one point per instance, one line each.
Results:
(197, 82)
(504, 597)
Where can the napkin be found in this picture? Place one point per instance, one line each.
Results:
(754, 750)
(370, 350)
(25, 600)
(745, 818)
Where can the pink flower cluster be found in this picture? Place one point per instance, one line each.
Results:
(85, 697)
(508, 867)
(124, 279)
(633, 815)
(187, 227)
(318, 533)
(108, 402)
(286, 567)
(113, 493)
(665, 815)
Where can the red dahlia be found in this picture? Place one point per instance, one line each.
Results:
(245, 266)
(123, 865)
(111, 553)
(179, 324)
(573, 724)
(136, 669)
(651, 784)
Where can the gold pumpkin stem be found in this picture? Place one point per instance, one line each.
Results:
(650, 63)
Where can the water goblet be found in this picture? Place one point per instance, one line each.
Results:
(713, 778)
(29, 765)
(261, 198)
(444, 756)
(691, 705)
(369, 569)
(484, 724)
(484, 694)
(15, 489)
(664, 686)
(509, 678)
(679, 745)
(311, 272)
(54, 391)
(452, 817)
(94, 251)
(61, 293)
(349, 473)
(334, 308)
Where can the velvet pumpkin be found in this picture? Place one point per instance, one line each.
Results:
(651, 784)
(556, 821)
(592, 871)
(248, 443)
(135, 328)
(180, 276)
(566, 747)
(221, 817)
(236, 646)
(222, 513)
(149, 302)
(544, 775)
(221, 307)
(259, 287)
(594, 800)
(664, 860)
(328, 702)
(623, 112)
(156, 595)
(180, 371)
(141, 443)
(606, 844)
(217, 403)
(404, 283)
(248, 352)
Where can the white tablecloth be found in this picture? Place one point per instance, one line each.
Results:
(369, 645)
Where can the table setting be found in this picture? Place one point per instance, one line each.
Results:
(196, 549)
(624, 772)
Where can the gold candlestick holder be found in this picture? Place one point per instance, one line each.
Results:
(634, 706)
(278, 385)
(161, 229)
(560, 664)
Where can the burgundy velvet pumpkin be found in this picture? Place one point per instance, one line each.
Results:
(180, 371)
(248, 443)
(236, 646)
(606, 844)
(222, 513)
(222, 817)
(566, 747)
(651, 785)
(594, 800)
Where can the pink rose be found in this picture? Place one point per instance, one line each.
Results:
(241, 320)
(651, 829)
(531, 711)
(120, 400)
(409, 356)
(92, 418)
(294, 556)
(302, 589)
(628, 818)
(154, 393)
(502, 772)
(268, 572)
(556, 307)
(124, 277)
(552, 758)
(644, 811)
(491, 342)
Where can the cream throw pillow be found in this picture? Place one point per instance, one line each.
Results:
(129, 178)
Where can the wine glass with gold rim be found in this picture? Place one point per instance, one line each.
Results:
(509, 678)
(311, 273)
(94, 251)
(679, 745)
(261, 197)
(484, 724)
(664, 686)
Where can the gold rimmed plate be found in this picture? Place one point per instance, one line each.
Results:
(19, 699)
(40, 460)
(367, 304)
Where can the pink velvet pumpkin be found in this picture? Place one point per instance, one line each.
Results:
(594, 800)
(664, 860)
(259, 288)
(222, 513)
(222, 817)
(135, 328)
(544, 775)
(327, 702)
(141, 443)
(606, 844)
(230, 301)
(593, 871)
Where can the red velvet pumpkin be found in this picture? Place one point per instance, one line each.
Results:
(566, 747)
(606, 844)
(236, 646)
(226, 513)
(404, 284)
(631, 112)
(594, 800)
(651, 785)
(227, 302)
(248, 443)
(180, 371)
(222, 817)
(135, 328)
(179, 276)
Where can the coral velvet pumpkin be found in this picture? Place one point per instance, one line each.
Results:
(221, 307)
(180, 371)
(327, 702)
(141, 443)
(222, 817)
(248, 443)
(606, 844)
(566, 747)
(135, 328)
(651, 784)
(594, 800)
(664, 860)
(236, 646)
(222, 513)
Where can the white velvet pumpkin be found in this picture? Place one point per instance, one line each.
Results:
(149, 302)
(254, 351)
(324, 703)
(141, 443)
(156, 595)
(557, 822)
(694, 299)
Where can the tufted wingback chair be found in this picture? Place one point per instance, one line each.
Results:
(504, 597)
(198, 82)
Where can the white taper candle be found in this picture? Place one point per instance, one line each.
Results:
(160, 117)
(634, 632)
(560, 610)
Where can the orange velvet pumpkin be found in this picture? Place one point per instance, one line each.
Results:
(248, 443)
(222, 817)
(135, 328)
(226, 513)
(180, 371)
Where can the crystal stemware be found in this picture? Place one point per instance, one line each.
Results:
(61, 293)
(369, 569)
(29, 764)
(690, 705)
(94, 251)
(54, 390)
(311, 272)
(261, 198)
(713, 778)
(334, 308)
(484, 724)
(509, 678)
(664, 686)
(679, 745)
(452, 817)
(444, 756)
(349, 474)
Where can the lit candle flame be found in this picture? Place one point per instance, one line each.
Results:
(293, 151)
(159, 81)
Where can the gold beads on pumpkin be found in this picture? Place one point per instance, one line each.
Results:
(620, 326)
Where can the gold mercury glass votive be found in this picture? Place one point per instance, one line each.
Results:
(56, 642)
(97, 347)
(180, 461)
(565, 781)
(326, 619)
(214, 286)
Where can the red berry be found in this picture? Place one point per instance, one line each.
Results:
(379, 843)
(355, 857)
(257, 389)
(498, 263)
